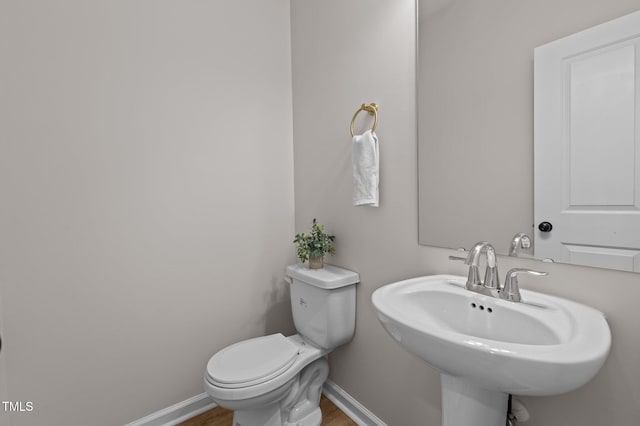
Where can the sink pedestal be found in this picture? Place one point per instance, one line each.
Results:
(464, 403)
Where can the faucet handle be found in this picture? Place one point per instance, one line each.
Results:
(511, 289)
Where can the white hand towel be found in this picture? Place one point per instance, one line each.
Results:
(366, 165)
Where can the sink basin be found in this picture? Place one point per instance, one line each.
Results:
(544, 345)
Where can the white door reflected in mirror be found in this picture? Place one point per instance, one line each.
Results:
(587, 154)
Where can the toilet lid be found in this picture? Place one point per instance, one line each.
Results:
(252, 361)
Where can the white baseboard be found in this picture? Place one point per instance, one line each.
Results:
(191, 407)
(177, 413)
(352, 408)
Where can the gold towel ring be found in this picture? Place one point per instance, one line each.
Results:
(372, 109)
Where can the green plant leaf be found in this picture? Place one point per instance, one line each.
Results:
(317, 243)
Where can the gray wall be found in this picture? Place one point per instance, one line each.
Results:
(348, 53)
(146, 173)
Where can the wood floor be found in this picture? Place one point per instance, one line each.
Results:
(331, 416)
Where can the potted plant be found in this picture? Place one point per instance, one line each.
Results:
(313, 247)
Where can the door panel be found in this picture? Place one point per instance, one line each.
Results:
(600, 100)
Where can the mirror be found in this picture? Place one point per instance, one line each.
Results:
(476, 119)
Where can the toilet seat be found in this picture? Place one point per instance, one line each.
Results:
(237, 397)
(252, 362)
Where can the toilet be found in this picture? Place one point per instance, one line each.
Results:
(276, 380)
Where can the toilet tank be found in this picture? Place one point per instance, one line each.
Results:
(323, 302)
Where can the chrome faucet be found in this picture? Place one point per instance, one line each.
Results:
(491, 284)
(518, 242)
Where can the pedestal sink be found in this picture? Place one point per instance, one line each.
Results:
(487, 348)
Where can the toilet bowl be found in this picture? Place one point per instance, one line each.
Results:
(271, 378)
(276, 380)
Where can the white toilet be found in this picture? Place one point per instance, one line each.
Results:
(276, 380)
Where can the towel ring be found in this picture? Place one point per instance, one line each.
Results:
(372, 109)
